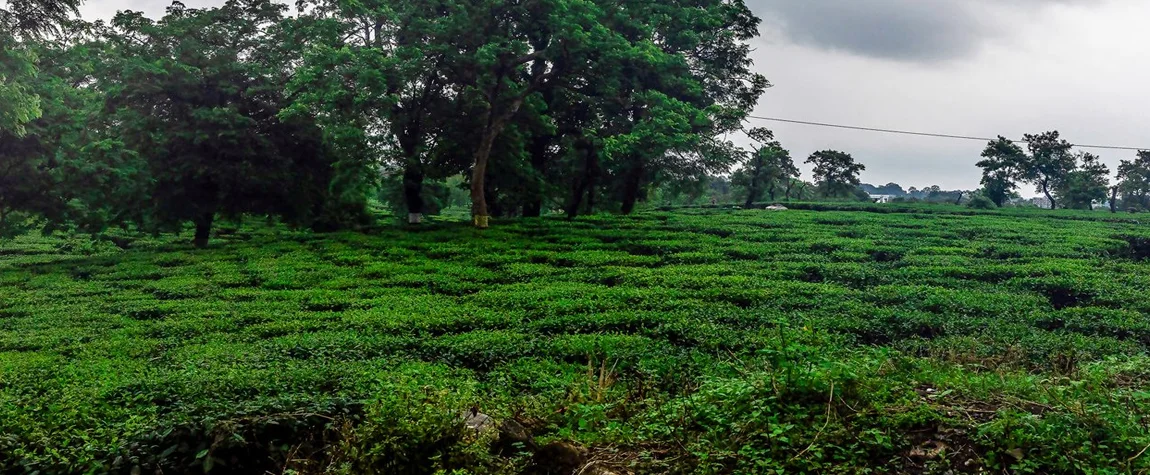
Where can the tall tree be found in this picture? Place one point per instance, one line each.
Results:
(684, 81)
(21, 23)
(1000, 163)
(769, 169)
(68, 165)
(17, 73)
(506, 61)
(1085, 184)
(37, 18)
(836, 173)
(1134, 181)
(382, 68)
(197, 95)
(1048, 165)
(27, 185)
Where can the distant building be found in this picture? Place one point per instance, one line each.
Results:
(1041, 202)
(881, 198)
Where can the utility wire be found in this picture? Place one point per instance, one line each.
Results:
(927, 134)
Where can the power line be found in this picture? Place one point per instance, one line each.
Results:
(927, 134)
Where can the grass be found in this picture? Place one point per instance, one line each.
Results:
(690, 341)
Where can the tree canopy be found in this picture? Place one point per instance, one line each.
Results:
(1048, 164)
(769, 169)
(197, 96)
(579, 105)
(1085, 184)
(1134, 181)
(836, 173)
(1000, 168)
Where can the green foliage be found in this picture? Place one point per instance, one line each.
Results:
(770, 170)
(839, 338)
(36, 18)
(196, 95)
(1087, 184)
(434, 196)
(980, 201)
(1000, 163)
(1134, 181)
(17, 70)
(1048, 164)
(22, 21)
(836, 173)
(415, 425)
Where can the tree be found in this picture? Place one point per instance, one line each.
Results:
(502, 68)
(529, 99)
(380, 68)
(66, 167)
(679, 79)
(1085, 184)
(17, 72)
(197, 96)
(22, 22)
(26, 183)
(980, 201)
(1000, 167)
(836, 173)
(37, 18)
(1134, 181)
(1048, 165)
(892, 189)
(769, 169)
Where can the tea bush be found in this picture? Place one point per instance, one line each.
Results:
(831, 338)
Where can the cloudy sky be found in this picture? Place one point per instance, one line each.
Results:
(964, 67)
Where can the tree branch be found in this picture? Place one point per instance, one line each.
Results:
(534, 55)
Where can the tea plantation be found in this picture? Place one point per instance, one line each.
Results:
(692, 341)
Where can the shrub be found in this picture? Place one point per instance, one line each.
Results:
(693, 341)
(980, 201)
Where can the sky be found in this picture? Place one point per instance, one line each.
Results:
(964, 67)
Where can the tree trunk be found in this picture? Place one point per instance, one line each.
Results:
(203, 230)
(494, 206)
(631, 184)
(413, 193)
(572, 209)
(495, 124)
(479, 215)
(533, 208)
(1046, 191)
(752, 194)
(584, 182)
(1114, 199)
(590, 209)
(752, 191)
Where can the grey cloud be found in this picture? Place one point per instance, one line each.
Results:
(904, 30)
